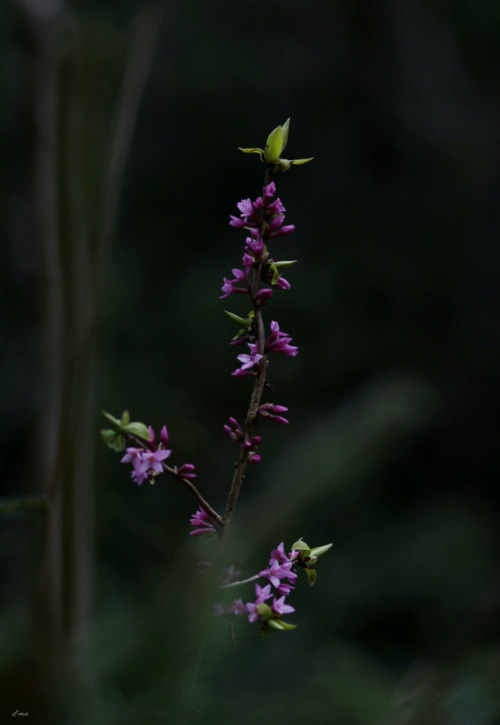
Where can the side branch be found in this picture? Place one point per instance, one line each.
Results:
(192, 488)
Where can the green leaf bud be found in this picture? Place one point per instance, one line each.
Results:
(275, 145)
(265, 611)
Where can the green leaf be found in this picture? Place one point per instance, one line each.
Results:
(280, 625)
(236, 318)
(276, 273)
(301, 546)
(251, 151)
(286, 263)
(319, 550)
(297, 162)
(113, 440)
(311, 576)
(276, 624)
(114, 422)
(125, 418)
(274, 145)
(287, 625)
(138, 429)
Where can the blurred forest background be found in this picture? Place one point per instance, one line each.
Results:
(119, 159)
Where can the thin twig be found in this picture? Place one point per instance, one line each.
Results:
(204, 503)
(239, 583)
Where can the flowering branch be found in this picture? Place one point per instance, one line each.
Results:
(263, 221)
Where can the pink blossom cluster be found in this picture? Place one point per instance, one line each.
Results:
(203, 524)
(263, 219)
(148, 461)
(281, 578)
(277, 341)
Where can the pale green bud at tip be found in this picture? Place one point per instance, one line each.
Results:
(275, 145)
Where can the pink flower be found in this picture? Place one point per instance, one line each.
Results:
(282, 283)
(146, 464)
(279, 606)
(253, 613)
(262, 593)
(203, 523)
(248, 364)
(231, 574)
(229, 286)
(154, 460)
(255, 247)
(285, 589)
(280, 342)
(263, 296)
(278, 554)
(278, 571)
(238, 607)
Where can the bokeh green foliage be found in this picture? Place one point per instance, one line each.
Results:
(392, 451)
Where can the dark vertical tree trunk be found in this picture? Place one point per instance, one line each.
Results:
(75, 247)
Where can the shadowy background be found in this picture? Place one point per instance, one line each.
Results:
(392, 449)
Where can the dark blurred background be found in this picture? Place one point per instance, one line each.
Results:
(392, 449)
